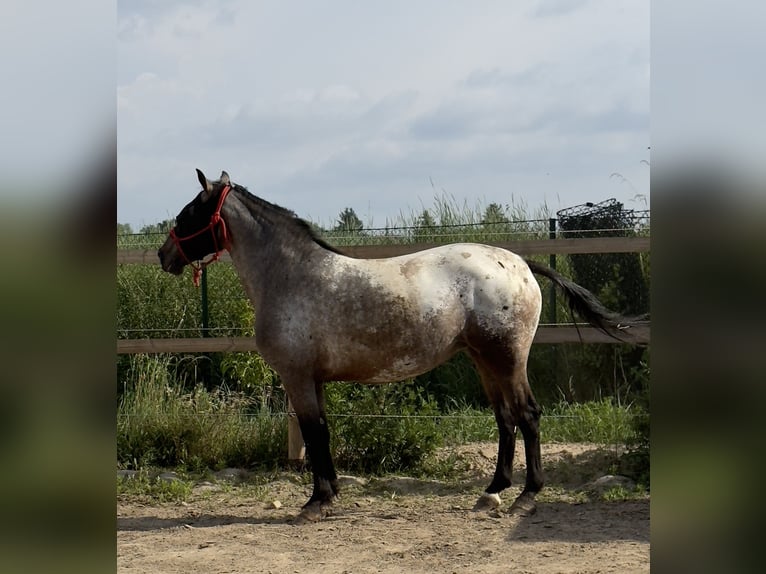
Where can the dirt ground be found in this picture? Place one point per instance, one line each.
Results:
(394, 524)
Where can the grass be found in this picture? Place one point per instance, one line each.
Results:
(446, 221)
(160, 423)
(164, 423)
(464, 424)
(620, 494)
(390, 428)
(145, 485)
(603, 421)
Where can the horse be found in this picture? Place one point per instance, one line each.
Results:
(323, 316)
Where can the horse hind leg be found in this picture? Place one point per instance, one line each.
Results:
(501, 480)
(529, 423)
(514, 406)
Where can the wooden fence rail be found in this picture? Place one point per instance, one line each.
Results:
(546, 334)
(527, 247)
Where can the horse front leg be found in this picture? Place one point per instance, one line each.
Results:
(308, 402)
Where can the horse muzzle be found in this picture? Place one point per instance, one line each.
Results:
(170, 259)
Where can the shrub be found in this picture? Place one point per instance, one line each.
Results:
(398, 432)
(249, 373)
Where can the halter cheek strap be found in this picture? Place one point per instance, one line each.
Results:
(215, 220)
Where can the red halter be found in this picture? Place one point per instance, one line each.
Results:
(215, 219)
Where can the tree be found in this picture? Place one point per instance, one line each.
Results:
(494, 214)
(424, 226)
(161, 227)
(425, 219)
(349, 222)
(124, 229)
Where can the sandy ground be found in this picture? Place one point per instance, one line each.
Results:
(393, 525)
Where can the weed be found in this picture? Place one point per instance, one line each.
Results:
(155, 488)
(619, 493)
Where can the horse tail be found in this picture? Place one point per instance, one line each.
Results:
(589, 307)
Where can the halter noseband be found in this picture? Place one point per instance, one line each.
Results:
(215, 219)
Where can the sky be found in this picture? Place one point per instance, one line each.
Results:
(319, 106)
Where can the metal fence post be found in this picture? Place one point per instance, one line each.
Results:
(205, 308)
(207, 371)
(552, 264)
(552, 318)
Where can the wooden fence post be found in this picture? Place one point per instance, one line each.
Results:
(296, 449)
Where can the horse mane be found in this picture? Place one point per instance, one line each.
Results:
(286, 217)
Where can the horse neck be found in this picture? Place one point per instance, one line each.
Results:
(266, 246)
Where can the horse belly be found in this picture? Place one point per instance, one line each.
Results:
(384, 354)
(404, 367)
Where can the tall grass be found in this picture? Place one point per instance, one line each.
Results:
(159, 423)
(601, 421)
(163, 422)
(449, 221)
(152, 303)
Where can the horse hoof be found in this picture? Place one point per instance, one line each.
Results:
(523, 506)
(314, 512)
(487, 501)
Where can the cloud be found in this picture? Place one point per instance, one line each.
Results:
(364, 104)
(548, 8)
(58, 87)
(496, 102)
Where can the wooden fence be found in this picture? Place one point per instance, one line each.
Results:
(547, 334)
(527, 247)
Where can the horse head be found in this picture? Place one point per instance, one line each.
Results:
(199, 229)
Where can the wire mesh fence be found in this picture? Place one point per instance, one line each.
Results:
(628, 222)
(154, 304)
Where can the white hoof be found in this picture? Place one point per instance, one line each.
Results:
(488, 501)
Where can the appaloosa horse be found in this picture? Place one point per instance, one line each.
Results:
(322, 316)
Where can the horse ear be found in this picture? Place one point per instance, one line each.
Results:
(225, 178)
(203, 180)
(207, 187)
